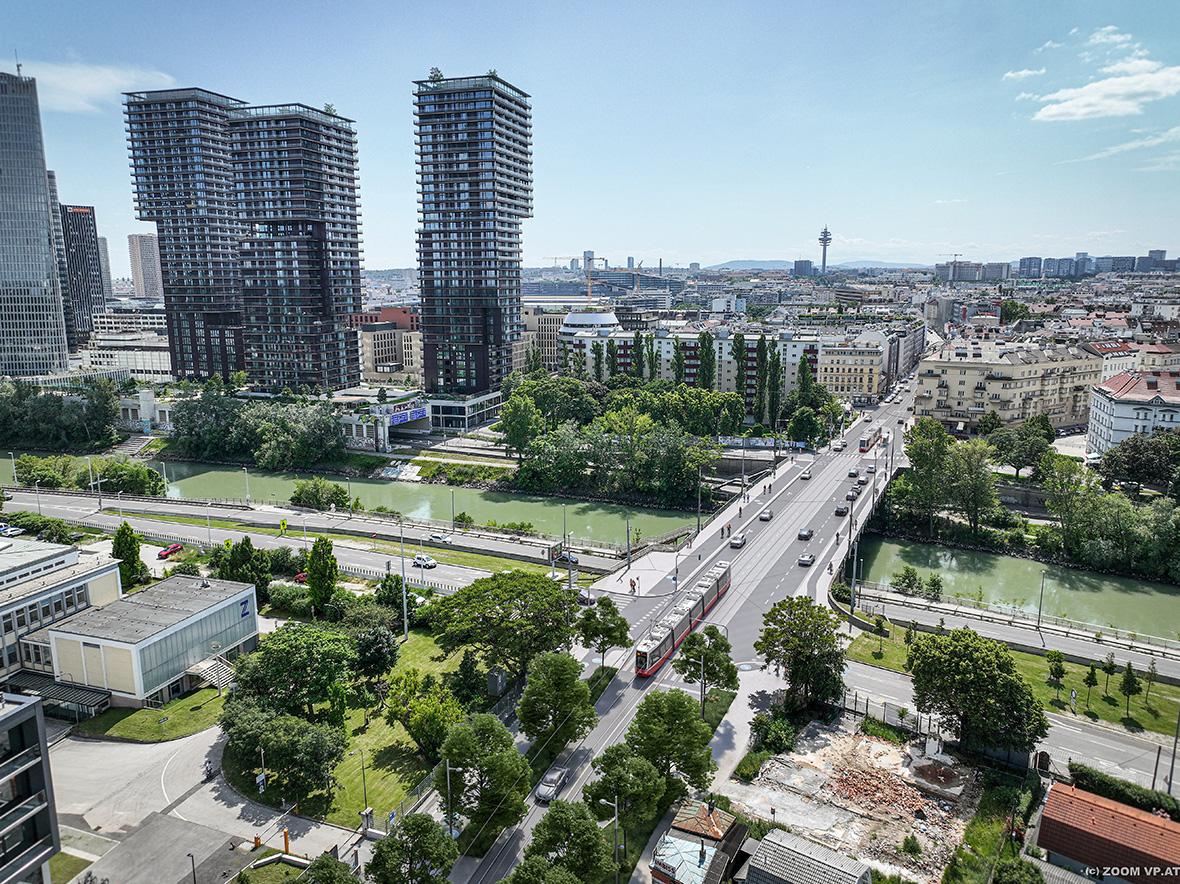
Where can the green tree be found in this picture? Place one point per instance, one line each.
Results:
(761, 369)
(934, 586)
(653, 363)
(989, 423)
(1090, 681)
(538, 870)
(429, 718)
(601, 627)
(521, 422)
(1012, 311)
(1017, 871)
(1152, 675)
(612, 358)
(416, 851)
(799, 640)
(706, 361)
(972, 483)
(631, 780)
(677, 361)
(1044, 427)
(568, 836)
(928, 447)
(637, 355)
(1056, 661)
(774, 388)
(326, 869)
(1109, 668)
(971, 683)
(1137, 461)
(555, 706)
(667, 730)
(125, 548)
(1019, 447)
(597, 355)
(704, 657)
(382, 395)
(322, 573)
(319, 494)
(804, 426)
(376, 652)
(1129, 685)
(295, 667)
(508, 618)
(468, 682)
(388, 593)
(535, 362)
(489, 779)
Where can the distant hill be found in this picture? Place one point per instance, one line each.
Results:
(888, 265)
(787, 265)
(753, 265)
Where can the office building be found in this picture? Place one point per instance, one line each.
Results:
(1029, 268)
(144, 250)
(996, 271)
(474, 160)
(84, 294)
(144, 355)
(256, 216)
(630, 263)
(32, 320)
(31, 835)
(104, 260)
(1081, 263)
(545, 326)
(802, 268)
(574, 264)
(856, 370)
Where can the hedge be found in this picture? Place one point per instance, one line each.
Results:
(1123, 791)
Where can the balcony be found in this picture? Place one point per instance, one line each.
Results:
(20, 762)
(17, 814)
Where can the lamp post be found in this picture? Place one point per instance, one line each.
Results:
(305, 530)
(614, 805)
(192, 859)
(364, 783)
(698, 503)
(12, 457)
(246, 470)
(37, 491)
(348, 479)
(1041, 602)
(405, 604)
(119, 503)
(452, 510)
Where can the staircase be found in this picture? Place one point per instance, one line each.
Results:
(215, 670)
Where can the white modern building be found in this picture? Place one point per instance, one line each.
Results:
(1132, 403)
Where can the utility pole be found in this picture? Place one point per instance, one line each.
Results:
(1041, 603)
(1172, 766)
(629, 538)
(698, 501)
(405, 604)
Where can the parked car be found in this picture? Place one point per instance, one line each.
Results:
(862, 480)
(806, 474)
(841, 509)
(805, 533)
(301, 577)
(766, 515)
(565, 558)
(421, 560)
(737, 541)
(853, 473)
(169, 551)
(439, 537)
(807, 560)
(901, 420)
(11, 531)
(8, 495)
(584, 596)
(551, 783)
(867, 418)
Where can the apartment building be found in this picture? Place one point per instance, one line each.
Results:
(391, 352)
(966, 379)
(856, 370)
(31, 836)
(1117, 356)
(545, 326)
(1130, 404)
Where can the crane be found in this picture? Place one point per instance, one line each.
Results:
(589, 269)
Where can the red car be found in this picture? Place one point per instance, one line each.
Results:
(169, 551)
(301, 577)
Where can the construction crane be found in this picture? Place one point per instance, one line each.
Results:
(589, 269)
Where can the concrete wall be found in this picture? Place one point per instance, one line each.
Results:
(105, 589)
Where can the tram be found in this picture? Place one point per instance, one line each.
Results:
(666, 636)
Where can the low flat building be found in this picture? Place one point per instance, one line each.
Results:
(1134, 403)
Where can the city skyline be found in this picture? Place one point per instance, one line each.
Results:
(996, 142)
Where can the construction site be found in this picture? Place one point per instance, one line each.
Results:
(865, 796)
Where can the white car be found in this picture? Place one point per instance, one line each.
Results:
(421, 560)
(11, 531)
(439, 537)
(806, 474)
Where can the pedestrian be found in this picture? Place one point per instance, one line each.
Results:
(632, 586)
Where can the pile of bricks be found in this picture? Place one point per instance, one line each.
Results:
(881, 792)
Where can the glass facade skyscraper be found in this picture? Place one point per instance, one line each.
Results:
(32, 322)
(474, 137)
(85, 293)
(258, 232)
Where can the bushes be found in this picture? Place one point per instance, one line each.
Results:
(44, 527)
(62, 471)
(462, 473)
(1120, 790)
(291, 599)
(319, 494)
(513, 527)
(841, 592)
(907, 581)
(747, 769)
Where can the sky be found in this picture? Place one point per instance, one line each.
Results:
(680, 130)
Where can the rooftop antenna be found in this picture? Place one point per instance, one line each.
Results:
(16, 55)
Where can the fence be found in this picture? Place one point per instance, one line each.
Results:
(893, 714)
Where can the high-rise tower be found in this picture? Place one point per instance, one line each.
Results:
(144, 251)
(476, 187)
(825, 240)
(84, 294)
(32, 321)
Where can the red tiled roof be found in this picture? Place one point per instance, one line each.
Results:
(1096, 831)
(1143, 386)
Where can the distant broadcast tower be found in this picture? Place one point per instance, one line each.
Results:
(825, 240)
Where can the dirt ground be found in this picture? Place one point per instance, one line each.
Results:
(860, 795)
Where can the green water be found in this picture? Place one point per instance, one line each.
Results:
(584, 521)
(1144, 606)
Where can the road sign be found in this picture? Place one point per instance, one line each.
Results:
(260, 780)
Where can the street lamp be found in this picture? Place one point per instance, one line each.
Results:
(246, 470)
(614, 805)
(305, 530)
(119, 501)
(452, 509)
(1041, 603)
(12, 457)
(193, 860)
(37, 491)
(348, 479)
(405, 605)
(364, 783)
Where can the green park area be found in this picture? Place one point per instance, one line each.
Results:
(181, 717)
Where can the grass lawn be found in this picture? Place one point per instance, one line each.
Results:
(984, 841)
(273, 873)
(185, 716)
(717, 703)
(1156, 713)
(599, 679)
(64, 866)
(392, 762)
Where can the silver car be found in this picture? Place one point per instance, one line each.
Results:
(551, 783)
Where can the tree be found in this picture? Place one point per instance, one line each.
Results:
(1056, 661)
(376, 652)
(319, 494)
(1042, 425)
(705, 657)
(295, 667)
(508, 618)
(629, 779)
(601, 627)
(1090, 681)
(667, 730)
(1152, 675)
(468, 682)
(538, 870)
(804, 426)
(388, 593)
(489, 779)
(1019, 447)
(245, 564)
(653, 363)
(774, 388)
(706, 361)
(417, 851)
(928, 447)
(1017, 871)
(568, 837)
(429, 718)
(989, 423)
(556, 706)
(521, 422)
(612, 358)
(322, 572)
(971, 683)
(1109, 667)
(677, 361)
(972, 483)
(597, 354)
(761, 368)
(799, 640)
(326, 869)
(1012, 311)
(1129, 685)
(1137, 461)
(125, 548)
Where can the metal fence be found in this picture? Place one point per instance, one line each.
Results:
(893, 714)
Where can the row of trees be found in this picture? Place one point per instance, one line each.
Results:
(275, 434)
(1144, 460)
(115, 474)
(79, 420)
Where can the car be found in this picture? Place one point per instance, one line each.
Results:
(901, 420)
(862, 480)
(301, 577)
(853, 473)
(909, 408)
(565, 558)
(868, 418)
(551, 783)
(840, 445)
(871, 468)
(584, 596)
(167, 551)
(737, 541)
(439, 537)
(807, 560)
(805, 533)
(8, 495)
(766, 515)
(852, 494)
(11, 531)
(421, 560)
(806, 474)
(841, 510)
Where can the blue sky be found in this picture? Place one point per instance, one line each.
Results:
(687, 131)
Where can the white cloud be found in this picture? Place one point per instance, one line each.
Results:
(1115, 96)
(74, 87)
(950, 202)
(1132, 66)
(1024, 74)
(1169, 162)
(1109, 35)
(1048, 44)
(1169, 136)
(1028, 96)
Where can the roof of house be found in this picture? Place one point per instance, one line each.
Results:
(1097, 831)
(694, 818)
(687, 862)
(1148, 387)
(783, 857)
